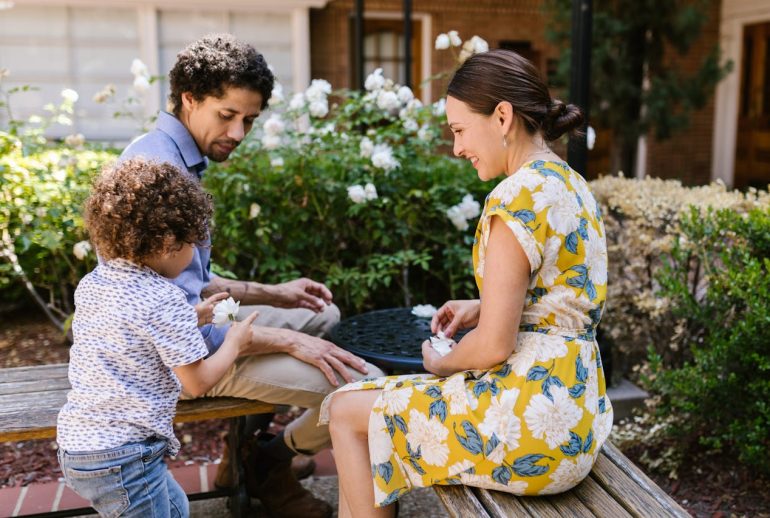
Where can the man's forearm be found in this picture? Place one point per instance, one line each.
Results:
(248, 293)
(270, 340)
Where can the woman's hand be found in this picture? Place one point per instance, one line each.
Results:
(431, 360)
(454, 315)
(205, 308)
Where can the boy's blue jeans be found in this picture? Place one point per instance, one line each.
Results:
(131, 480)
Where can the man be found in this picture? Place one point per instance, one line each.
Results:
(218, 87)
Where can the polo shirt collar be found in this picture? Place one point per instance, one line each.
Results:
(191, 155)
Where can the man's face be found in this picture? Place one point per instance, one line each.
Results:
(218, 125)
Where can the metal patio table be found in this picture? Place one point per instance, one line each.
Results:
(389, 338)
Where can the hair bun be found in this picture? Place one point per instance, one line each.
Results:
(561, 118)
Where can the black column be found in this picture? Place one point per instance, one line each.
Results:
(408, 43)
(358, 43)
(580, 78)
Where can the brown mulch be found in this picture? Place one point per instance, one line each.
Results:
(713, 487)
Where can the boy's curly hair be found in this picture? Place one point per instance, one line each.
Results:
(217, 61)
(140, 208)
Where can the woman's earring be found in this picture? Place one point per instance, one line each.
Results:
(505, 142)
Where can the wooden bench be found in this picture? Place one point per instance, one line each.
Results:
(616, 488)
(30, 399)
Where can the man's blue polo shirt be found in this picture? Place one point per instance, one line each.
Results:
(171, 142)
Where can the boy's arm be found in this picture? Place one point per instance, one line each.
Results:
(198, 377)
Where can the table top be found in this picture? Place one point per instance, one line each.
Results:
(389, 338)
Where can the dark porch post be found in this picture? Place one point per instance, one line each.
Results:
(580, 78)
(358, 42)
(408, 43)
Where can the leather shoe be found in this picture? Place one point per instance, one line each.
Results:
(302, 466)
(274, 484)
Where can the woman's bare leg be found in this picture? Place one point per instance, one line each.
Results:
(349, 427)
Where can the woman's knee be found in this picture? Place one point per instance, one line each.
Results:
(351, 411)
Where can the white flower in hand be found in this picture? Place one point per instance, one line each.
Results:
(441, 344)
(424, 310)
(81, 250)
(225, 312)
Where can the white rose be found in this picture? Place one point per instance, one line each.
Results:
(590, 138)
(297, 101)
(357, 194)
(225, 312)
(277, 162)
(476, 45)
(319, 108)
(138, 68)
(454, 38)
(271, 141)
(424, 133)
(410, 125)
(374, 81)
(75, 140)
(276, 96)
(457, 218)
(405, 94)
(441, 344)
(442, 42)
(141, 84)
(274, 125)
(366, 147)
(81, 250)
(439, 107)
(318, 90)
(254, 210)
(469, 207)
(70, 95)
(388, 101)
(382, 157)
(424, 310)
(370, 191)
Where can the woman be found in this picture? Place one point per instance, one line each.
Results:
(519, 404)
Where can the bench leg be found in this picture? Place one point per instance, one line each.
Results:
(239, 498)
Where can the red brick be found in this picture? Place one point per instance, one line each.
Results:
(8, 498)
(39, 498)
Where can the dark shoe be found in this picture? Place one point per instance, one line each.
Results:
(275, 485)
(302, 466)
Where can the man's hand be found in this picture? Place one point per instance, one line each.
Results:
(205, 308)
(302, 293)
(327, 357)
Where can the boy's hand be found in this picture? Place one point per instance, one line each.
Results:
(205, 308)
(241, 333)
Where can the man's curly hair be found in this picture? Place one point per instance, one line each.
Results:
(215, 62)
(140, 208)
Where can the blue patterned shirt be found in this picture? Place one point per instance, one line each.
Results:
(131, 329)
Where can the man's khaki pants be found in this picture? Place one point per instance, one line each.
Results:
(281, 379)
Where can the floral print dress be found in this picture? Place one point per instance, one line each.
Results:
(535, 423)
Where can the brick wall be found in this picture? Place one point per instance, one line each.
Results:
(495, 21)
(687, 156)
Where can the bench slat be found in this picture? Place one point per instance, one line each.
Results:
(35, 372)
(598, 501)
(568, 504)
(42, 424)
(643, 481)
(540, 507)
(32, 402)
(616, 482)
(40, 385)
(507, 506)
(460, 502)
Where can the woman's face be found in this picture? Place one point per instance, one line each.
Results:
(477, 137)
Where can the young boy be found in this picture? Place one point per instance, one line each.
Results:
(135, 340)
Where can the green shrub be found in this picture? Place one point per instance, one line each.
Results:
(40, 223)
(721, 391)
(283, 206)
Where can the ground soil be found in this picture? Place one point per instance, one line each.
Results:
(715, 487)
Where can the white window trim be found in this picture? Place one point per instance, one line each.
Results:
(735, 15)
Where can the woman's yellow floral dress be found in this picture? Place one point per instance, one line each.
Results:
(535, 423)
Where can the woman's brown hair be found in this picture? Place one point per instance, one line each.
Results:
(487, 79)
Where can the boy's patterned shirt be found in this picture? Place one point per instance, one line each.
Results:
(131, 329)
